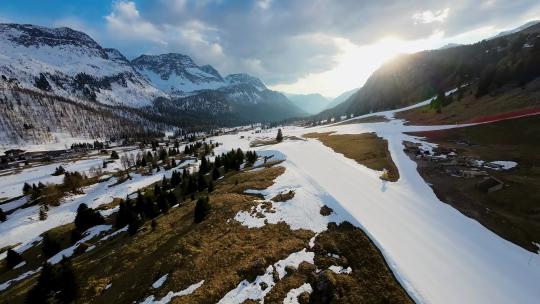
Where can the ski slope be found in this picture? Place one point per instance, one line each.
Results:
(438, 254)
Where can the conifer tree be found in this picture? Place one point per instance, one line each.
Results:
(49, 247)
(3, 216)
(215, 173)
(279, 136)
(162, 203)
(122, 217)
(13, 258)
(171, 198)
(42, 212)
(87, 217)
(56, 284)
(202, 209)
(134, 225)
(201, 182)
(26, 188)
(210, 186)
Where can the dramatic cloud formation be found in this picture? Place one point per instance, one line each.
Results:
(334, 45)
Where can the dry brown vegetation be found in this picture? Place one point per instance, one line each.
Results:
(366, 149)
(222, 252)
(283, 196)
(463, 110)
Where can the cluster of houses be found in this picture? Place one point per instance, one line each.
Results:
(449, 162)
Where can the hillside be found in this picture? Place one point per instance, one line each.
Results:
(511, 61)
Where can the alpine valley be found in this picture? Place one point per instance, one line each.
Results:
(58, 82)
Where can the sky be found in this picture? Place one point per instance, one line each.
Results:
(295, 46)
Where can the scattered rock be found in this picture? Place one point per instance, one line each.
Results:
(326, 211)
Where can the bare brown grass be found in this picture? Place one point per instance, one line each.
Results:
(366, 149)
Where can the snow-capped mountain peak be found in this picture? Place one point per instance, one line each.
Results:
(177, 74)
(234, 79)
(71, 64)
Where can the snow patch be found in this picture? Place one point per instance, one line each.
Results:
(293, 294)
(167, 299)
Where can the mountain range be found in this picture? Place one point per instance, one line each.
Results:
(68, 65)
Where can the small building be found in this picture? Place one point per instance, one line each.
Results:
(490, 184)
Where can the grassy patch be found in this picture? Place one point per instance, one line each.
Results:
(469, 107)
(366, 149)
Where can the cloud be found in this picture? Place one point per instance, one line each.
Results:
(126, 21)
(430, 16)
(284, 41)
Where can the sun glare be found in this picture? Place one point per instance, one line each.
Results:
(356, 63)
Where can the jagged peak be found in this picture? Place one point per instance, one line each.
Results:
(240, 78)
(34, 35)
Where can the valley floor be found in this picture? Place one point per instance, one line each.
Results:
(435, 252)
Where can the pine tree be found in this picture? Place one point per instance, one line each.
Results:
(215, 173)
(210, 186)
(122, 217)
(204, 168)
(175, 179)
(171, 198)
(202, 209)
(134, 225)
(13, 258)
(3, 216)
(27, 188)
(42, 212)
(201, 182)
(163, 204)
(157, 190)
(66, 282)
(49, 247)
(114, 155)
(87, 217)
(279, 136)
(56, 284)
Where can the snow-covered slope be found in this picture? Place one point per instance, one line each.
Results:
(177, 74)
(518, 29)
(71, 64)
(29, 117)
(234, 79)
